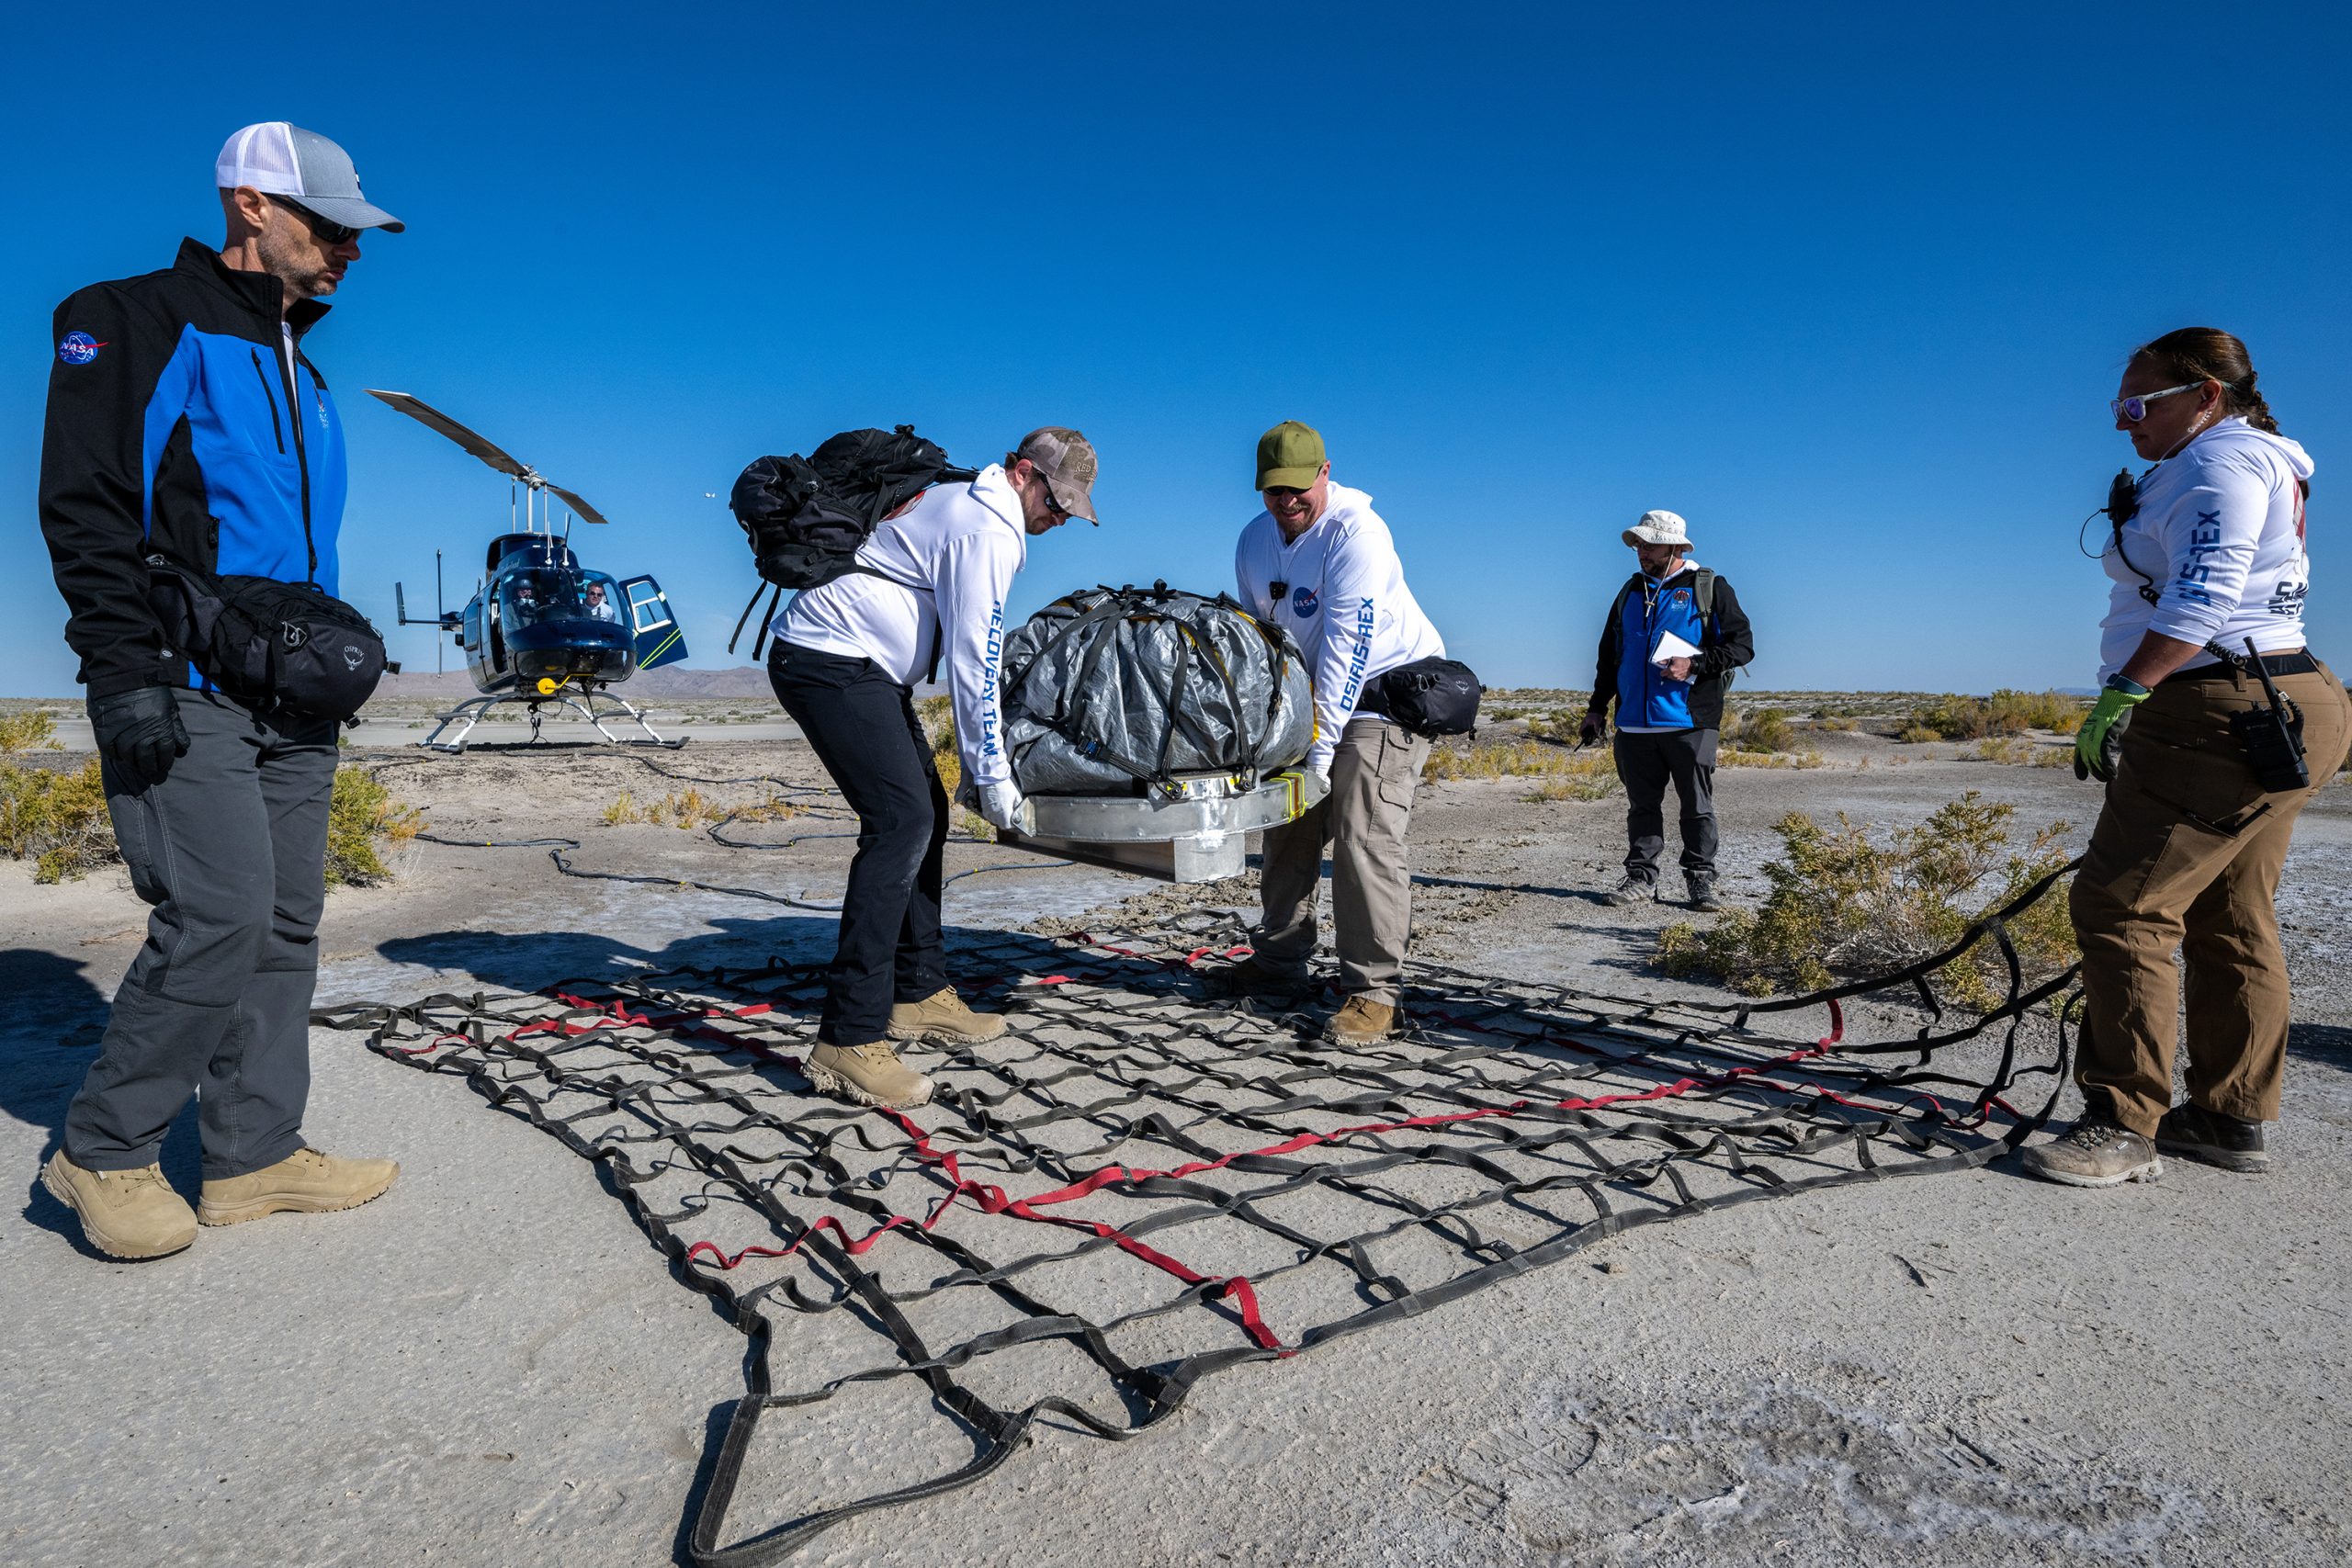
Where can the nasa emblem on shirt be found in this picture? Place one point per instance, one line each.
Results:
(78, 349)
(1302, 600)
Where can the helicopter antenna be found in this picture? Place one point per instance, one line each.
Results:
(532, 480)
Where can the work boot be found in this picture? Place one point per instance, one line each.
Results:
(1253, 976)
(1361, 1021)
(1702, 892)
(1633, 890)
(124, 1214)
(870, 1074)
(2094, 1152)
(308, 1181)
(942, 1016)
(2213, 1137)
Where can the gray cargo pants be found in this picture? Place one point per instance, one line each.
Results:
(1374, 775)
(230, 853)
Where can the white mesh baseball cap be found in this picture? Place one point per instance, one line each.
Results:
(279, 159)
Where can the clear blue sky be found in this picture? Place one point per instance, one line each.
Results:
(1848, 286)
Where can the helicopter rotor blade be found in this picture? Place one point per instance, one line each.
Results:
(587, 513)
(426, 415)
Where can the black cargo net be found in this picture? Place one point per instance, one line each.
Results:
(1139, 1186)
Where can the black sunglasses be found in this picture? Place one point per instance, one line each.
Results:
(1053, 503)
(325, 229)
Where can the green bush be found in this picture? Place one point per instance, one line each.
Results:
(1843, 903)
(55, 818)
(2004, 713)
(1766, 729)
(360, 812)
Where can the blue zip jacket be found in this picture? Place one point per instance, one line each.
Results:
(1645, 612)
(177, 428)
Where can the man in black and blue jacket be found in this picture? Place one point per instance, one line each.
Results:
(188, 426)
(1667, 650)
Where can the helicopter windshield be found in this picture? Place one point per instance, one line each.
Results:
(537, 594)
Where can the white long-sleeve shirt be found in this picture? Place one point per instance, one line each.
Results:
(1342, 595)
(2220, 529)
(950, 559)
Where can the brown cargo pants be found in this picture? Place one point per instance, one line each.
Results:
(1374, 775)
(2185, 859)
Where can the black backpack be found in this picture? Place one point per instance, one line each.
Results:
(805, 517)
(278, 648)
(1430, 697)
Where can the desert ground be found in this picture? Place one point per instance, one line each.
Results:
(492, 1365)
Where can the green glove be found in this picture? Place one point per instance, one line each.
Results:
(2100, 743)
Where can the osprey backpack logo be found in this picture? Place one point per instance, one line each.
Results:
(78, 349)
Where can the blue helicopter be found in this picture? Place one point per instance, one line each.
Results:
(543, 628)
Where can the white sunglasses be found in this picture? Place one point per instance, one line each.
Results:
(2131, 411)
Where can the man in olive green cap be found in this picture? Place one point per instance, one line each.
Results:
(1318, 562)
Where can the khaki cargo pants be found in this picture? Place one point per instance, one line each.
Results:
(2185, 859)
(1374, 775)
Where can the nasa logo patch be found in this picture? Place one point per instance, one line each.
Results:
(78, 349)
(1302, 600)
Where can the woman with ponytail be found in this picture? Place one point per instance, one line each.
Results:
(2203, 793)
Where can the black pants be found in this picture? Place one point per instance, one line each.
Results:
(862, 726)
(1645, 764)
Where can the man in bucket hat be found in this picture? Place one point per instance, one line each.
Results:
(187, 425)
(1672, 639)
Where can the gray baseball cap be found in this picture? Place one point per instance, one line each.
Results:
(279, 159)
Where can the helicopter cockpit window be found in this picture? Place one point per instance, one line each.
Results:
(547, 593)
(647, 608)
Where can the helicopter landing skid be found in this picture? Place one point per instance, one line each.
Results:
(468, 713)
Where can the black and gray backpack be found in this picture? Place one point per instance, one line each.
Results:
(805, 517)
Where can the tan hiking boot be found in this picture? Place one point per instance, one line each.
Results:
(942, 1016)
(124, 1214)
(305, 1182)
(1361, 1022)
(2094, 1152)
(870, 1074)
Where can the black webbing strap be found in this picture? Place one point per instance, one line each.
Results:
(1514, 1124)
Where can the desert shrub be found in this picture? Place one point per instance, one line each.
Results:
(1582, 787)
(2004, 713)
(1766, 729)
(1844, 904)
(1732, 756)
(1592, 773)
(28, 731)
(361, 813)
(685, 809)
(53, 818)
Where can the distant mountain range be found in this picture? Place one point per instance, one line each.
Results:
(672, 683)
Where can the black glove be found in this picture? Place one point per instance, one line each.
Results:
(141, 733)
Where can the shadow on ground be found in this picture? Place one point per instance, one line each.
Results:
(2329, 1044)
